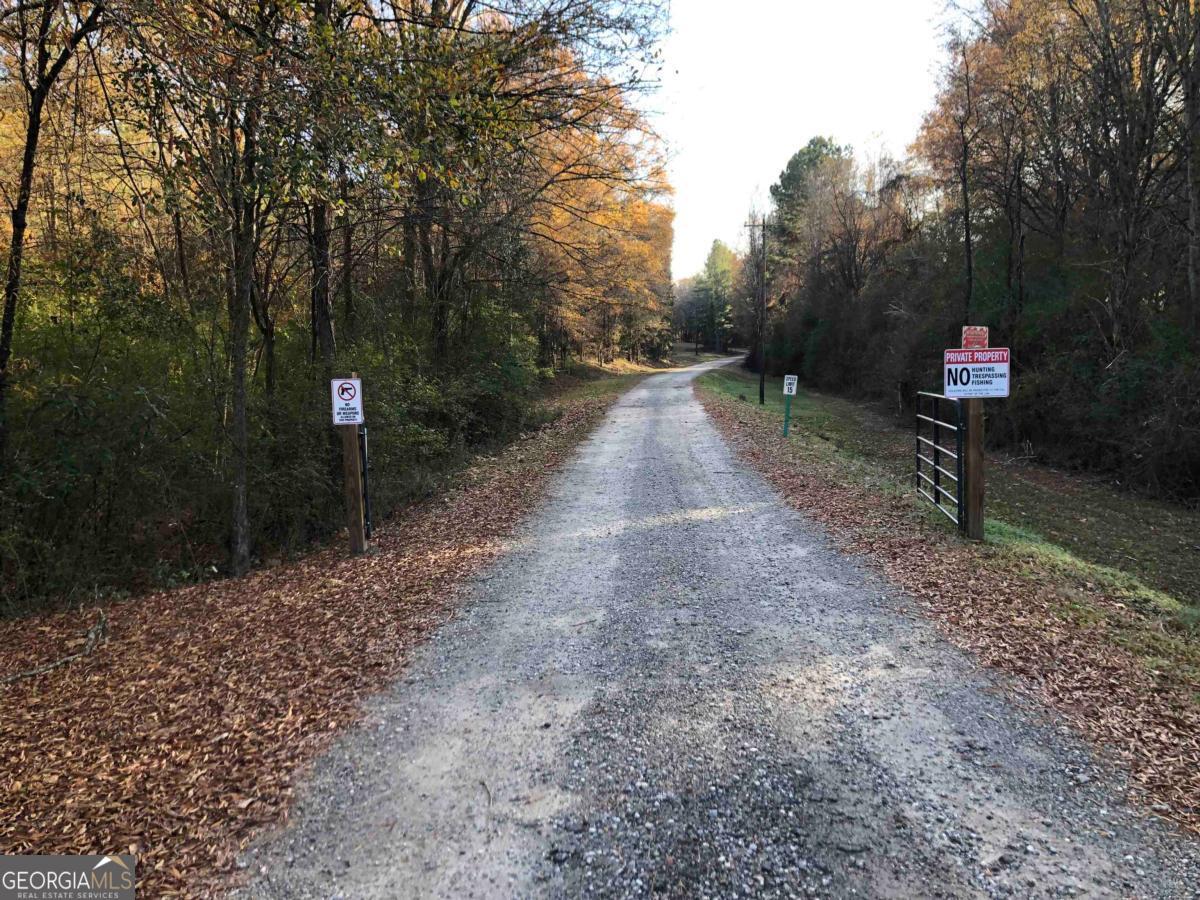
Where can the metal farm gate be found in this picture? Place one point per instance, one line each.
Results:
(939, 480)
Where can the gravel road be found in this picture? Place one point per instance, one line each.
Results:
(672, 685)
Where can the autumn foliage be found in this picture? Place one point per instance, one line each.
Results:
(1054, 195)
(230, 201)
(179, 737)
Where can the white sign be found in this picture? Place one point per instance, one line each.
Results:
(347, 401)
(976, 373)
(789, 384)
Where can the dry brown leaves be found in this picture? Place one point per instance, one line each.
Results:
(1011, 620)
(183, 732)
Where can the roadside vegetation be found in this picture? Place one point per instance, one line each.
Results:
(1085, 523)
(1052, 195)
(685, 353)
(1090, 594)
(212, 208)
(226, 689)
(229, 687)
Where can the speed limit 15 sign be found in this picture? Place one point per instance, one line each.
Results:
(789, 384)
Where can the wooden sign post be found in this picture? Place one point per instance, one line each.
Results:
(973, 469)
(347, 416)
(971, 373)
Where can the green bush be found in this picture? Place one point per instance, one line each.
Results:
(119, 456)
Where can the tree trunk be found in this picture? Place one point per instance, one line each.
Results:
(968, 250)
(408, 274)
(239, 328)
(1020, 273)
(436, 289)
(40, 80)
(1192, 106)
(348, 309)
(322, 302)
(245, 244)
(12, 281)
(181, 261)
(260, 310)
(269, 363)
(322, 286)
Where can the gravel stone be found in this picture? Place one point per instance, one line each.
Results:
(671, 685)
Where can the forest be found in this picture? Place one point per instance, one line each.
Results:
(1053, 194)
(215, 206)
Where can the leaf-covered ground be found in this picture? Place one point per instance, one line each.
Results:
(1116, 669)
(184, 729)
(1138, 537)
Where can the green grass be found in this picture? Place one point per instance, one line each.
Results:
(824, 425)
(1114, 582)
(683, 355)
(584, 382)
(1141, 551)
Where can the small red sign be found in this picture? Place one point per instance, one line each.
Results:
(975, 337)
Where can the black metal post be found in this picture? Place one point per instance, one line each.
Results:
(366, 479)
(917, 478)
(937, 459)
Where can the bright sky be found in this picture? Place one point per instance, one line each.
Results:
(747, 84)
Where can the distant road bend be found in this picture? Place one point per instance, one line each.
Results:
(673, 686)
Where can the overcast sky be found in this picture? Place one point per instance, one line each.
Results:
(747, 84)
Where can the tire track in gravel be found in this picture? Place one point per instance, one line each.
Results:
(671, 685)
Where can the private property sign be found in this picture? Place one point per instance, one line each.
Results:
(976, 373)
(347, 401)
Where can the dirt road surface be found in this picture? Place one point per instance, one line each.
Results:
(672, 685)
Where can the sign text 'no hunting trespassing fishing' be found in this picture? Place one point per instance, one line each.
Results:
(972, 374)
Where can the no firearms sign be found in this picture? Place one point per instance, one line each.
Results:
(347, 401)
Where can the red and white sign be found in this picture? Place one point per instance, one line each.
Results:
(975, 337)
(976, 373)
(347, 401)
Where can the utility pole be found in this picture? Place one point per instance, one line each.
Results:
(761, 315)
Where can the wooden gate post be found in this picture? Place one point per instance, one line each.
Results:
(352, 476)
(973, 469)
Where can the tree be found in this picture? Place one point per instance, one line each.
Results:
(451, 198)
(40, 38)
(1178, 21)
(1050, 196)
(789, 197)
(790, 191)
(714, 288)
